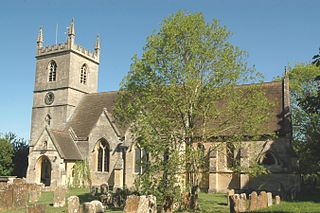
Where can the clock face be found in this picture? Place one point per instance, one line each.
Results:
(49, 98)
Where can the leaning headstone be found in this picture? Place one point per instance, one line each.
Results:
(59, 196)
(230, 193)
(269, 199)
(263, 199)
(88, 208)
(104, 188)
(36, 208)
(253, 201)
(132, 204)
(73, 204)
(234, 203)
(98, 206)
(278, 200)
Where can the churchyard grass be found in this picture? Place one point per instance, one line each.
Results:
(208, 203)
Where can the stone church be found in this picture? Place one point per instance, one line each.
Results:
(71, 122)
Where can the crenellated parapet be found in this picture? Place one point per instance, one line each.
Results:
(69, 45)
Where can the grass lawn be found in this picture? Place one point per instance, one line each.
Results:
(208, 203)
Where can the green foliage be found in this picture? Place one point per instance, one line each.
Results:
(81, 175)
(304, 90)
(6, 154)
(20, 154)
(184, 89)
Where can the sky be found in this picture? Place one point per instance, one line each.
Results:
(275, 33)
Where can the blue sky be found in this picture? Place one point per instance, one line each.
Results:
(275, 33)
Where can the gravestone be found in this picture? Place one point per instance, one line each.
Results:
(132, 204)
(88, 208)
(34, 192)
(73, 204)
(253, 201)
(263, 199)
(59, 196)
(234, 203)
(230, 193)
(98, 206)
(269, 199)
(6, 201)
(141, 204)
(19, 193)
(94, 190)
(243, 203)
(104, 188)
(278, 200)
(36, 208)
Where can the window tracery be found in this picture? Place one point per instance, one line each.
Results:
(52, 67)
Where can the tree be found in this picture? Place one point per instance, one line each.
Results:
(305, 98)
(182, 91)
(20, 154)
(6, 154)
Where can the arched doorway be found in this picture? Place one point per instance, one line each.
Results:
(45, 170)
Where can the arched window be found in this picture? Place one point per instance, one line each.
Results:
(103, 156)
(83, 74)
(141, 160)
(52, 68)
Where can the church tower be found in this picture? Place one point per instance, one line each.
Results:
(64, 73)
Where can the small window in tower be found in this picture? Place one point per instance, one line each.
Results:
(83, 74)
(52, 68)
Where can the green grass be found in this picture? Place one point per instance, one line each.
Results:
(208, 203)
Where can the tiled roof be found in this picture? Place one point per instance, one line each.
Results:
(65, 145)
(88, 111)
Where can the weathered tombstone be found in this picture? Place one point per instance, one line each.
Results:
(19, 193)
(36, 208)
(230, 193)
(243, 202)
(104, 188)
(278, 200)
(94, 190)
(59, 196)
(88, 208)
(34, 192)
(132, 204)
(73, 204)
(269, 199)
(6, 201)
(98, 206)
(263, 199)
(234, 203)
(253, 201)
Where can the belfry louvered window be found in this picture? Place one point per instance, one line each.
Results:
(52, 68)
(103, 156)
(83, 74)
